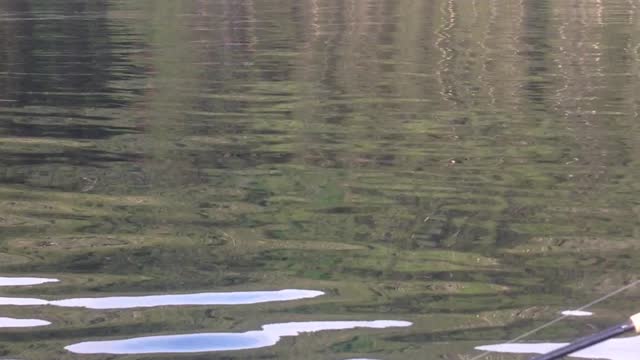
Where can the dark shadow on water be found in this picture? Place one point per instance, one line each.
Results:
(62, 63)
(64, 131)
(49, 115)
(83, 157)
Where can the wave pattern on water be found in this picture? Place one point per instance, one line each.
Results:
(470, 165)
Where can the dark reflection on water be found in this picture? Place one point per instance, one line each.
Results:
(469, 166)
(57, 54)
(88, 132)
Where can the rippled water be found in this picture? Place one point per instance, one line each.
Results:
(469, 167)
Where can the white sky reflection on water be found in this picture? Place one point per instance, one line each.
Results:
(6, 322)
(614, 349)
(203, 342)
(22, 301)
(23, 281)
(127, 302)
(576, 313)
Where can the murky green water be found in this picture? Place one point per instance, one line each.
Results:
(467, 166)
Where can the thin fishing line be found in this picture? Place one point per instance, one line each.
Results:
(560, 318)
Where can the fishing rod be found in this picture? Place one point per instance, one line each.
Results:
(632, 324)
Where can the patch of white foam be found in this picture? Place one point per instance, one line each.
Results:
(6, 322)
(207, 342)
(127, 302)
(23, 281)
(576, 313)
(613, 349)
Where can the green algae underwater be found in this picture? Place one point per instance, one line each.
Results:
(469, 167)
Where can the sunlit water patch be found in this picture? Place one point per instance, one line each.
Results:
(203, 342)
(614, 349)
(578, 313)
(127, 302)
(23, 281)
(6, 322)
(22, 301)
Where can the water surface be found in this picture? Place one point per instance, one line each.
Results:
(613, 349)
(6, 322)
(144, 301)
(23, 281)
(468, 166)
(268, 336)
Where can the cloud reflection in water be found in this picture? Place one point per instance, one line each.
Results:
(6, 322)
(204, 342)
(127, 302)
(22, 281)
